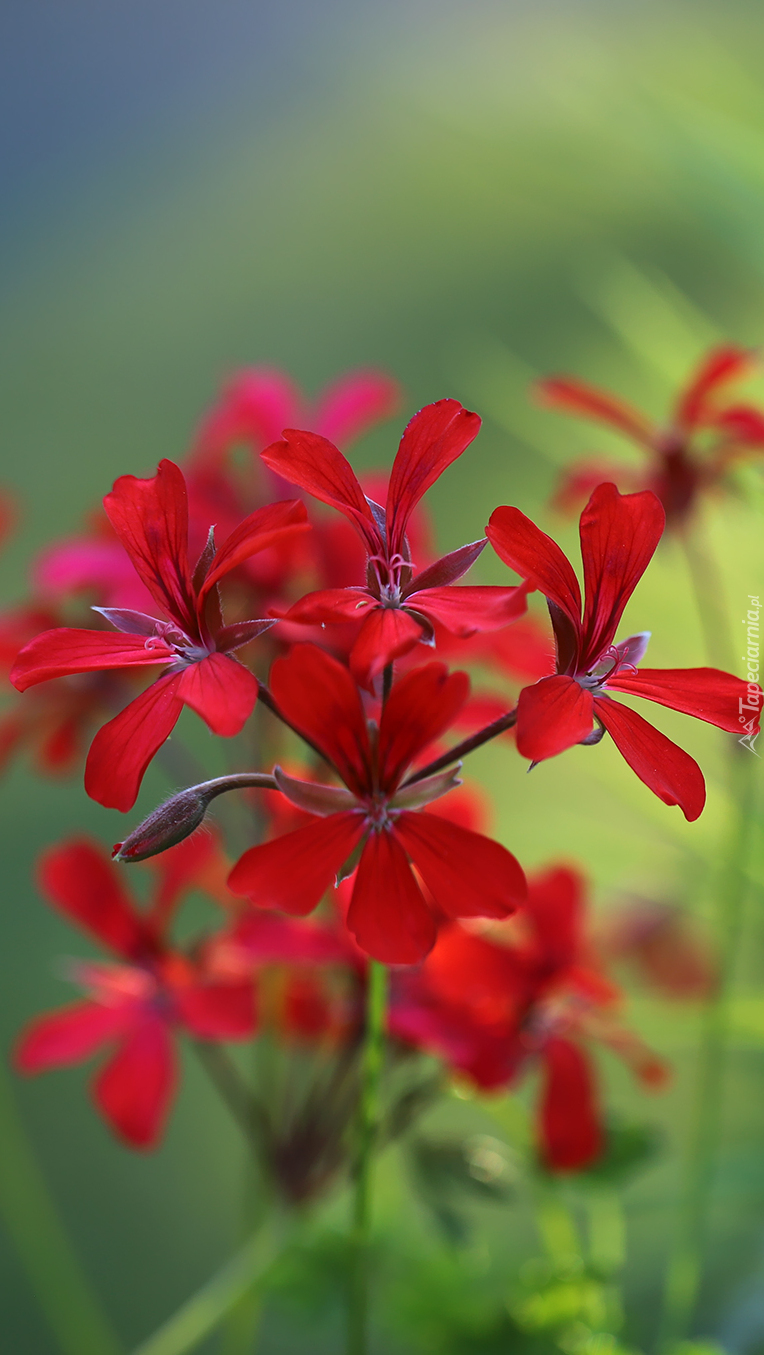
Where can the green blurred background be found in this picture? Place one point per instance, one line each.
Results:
(465, 195)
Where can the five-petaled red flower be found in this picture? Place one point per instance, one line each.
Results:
(467, 874)
(134, 1007)
(680, 469)
(619, 534)
(492, 1005)
(397, 606)
(150, 518)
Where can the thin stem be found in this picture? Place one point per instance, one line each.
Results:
(708, 589)
(685, 1263)
(372, 1058)
(469, 745)
(201, 1314)
(35, 1230)
(234, 1091)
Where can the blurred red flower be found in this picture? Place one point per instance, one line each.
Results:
(680, 468)
(135, 1008)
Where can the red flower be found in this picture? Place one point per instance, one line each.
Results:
(492, 1005)
(134, 1008)
(679, 469)
(150, 518)
(466, 873)
(397, 607)
(619, 534)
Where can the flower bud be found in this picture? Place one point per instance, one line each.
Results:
(181, 815)
(173, 821)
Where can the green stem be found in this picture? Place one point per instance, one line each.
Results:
(33, 1225)
(368, 1131)
(202, 1313)
(685, 1263)
(708, 588)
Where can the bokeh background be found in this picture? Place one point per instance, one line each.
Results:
(466, 195)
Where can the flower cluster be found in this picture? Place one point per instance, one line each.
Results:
(224, 586)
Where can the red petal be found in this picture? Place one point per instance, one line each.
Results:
(570, 1128)
(150, 518)
(355, 403)
(421, 707)
(619, 534)
(218, 1011)
(537, 558)
(388, 915)
(435, 437)
(555, 908)
(467, 874)
(78, 878)
(123, 749)
(254, 405)
(588, 402)
(707, 693)
(195, 863)
(386, 634)
(294, 872)
(221, 690)
(463, 611)
(266, 527)
(721, 365)
(135, 1089)
(669, 772)
(330, 606)
(67, 1036)
(552, 715)
(743, 423)
(576, 483)
(56, 653)
(313, 463)
(319, 697)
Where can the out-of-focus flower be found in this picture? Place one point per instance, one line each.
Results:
(398, 608)
(134, 1008)
(661, 943)
(523, 993)
(194, 645)
(619, 534)
(707, 432)
(466, 873)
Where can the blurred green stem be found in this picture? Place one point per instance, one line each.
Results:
(368, 1131)
(557, 1226)
(685, 1263)
(708, 588)
(33, 1225)
(201, 1314)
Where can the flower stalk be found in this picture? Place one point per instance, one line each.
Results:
(368, 1132)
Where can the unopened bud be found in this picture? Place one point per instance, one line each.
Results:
(181, 815)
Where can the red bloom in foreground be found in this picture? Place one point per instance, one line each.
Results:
(467, 874)
(398, 608)
(492, 1006)
(134, 1008)
(619, 534)
(680, 470)
(150, 518)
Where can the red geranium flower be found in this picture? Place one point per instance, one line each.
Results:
(619, 534)
(466, 873)
(150, 518)
(398, 607)
(680, 469)
(493, 1005)
(134, 1008)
